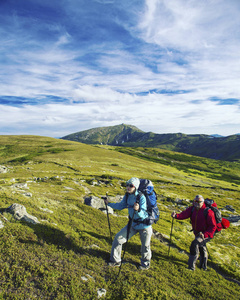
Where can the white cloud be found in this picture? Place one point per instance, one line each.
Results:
(153, 112)
(102, 95)
(178, 45)
(189, 25)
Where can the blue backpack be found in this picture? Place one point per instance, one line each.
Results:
(147, 189)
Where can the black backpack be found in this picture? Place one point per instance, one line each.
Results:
(210, 204)
(146, 188)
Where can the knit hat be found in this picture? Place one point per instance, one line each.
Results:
(135, 181)
(198, 197)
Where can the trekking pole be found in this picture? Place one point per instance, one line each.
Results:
(109, 226)
(212, 262)
(170, 236)
(209, 256)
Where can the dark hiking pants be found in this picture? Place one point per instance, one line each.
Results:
(198, 245)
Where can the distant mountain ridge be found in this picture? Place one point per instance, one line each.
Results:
(222, 148)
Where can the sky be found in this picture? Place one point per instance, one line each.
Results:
(163, 66)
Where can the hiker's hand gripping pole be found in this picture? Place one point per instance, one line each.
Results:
(136, 206)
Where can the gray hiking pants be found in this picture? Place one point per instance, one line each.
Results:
(198, 246)
(121, 238)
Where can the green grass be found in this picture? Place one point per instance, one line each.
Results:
(48, 260)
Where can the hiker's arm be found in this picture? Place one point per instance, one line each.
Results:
(184, 214)
(119, 205)
(211, 225)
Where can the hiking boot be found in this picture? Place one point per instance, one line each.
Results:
(141, 267)
(114, 264)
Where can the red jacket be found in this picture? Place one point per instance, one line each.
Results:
(199, 223)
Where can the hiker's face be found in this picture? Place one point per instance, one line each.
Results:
(198, 203)
(130, 188)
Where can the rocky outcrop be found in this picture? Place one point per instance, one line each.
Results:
(20, 213)
(97, 203)
(233, 219)
(101, 293)
(19, 186)
(3, 169)
(230, 208)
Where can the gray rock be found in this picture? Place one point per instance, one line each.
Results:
(101, 293)
(3, 169)
(235, 223)
(230, 208)
(91, 246)
(87, 277)
(178, 201)
(84, 278)
(116, 198)
(97, 203)
(28, 194)
(46, 210)
(94, 182)
(20, 213)
(20, 186)
(233, 219)
(1, 224)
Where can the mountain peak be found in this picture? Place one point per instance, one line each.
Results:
(111, 135)
(128, 135)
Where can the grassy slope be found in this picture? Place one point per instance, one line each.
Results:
(49, 259)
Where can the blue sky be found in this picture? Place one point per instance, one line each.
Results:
(163, 66)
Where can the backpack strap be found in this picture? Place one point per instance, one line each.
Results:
(191, 212)
(138, 199)
(205, 212)
(139, 195)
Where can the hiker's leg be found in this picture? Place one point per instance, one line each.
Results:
(194, 251)
(145, 236)
(119, 240)
(203, 254)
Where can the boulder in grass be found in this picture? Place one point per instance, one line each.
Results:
(233, 219)
(1, 224)
(97, 203)
(230, 208)
(19, 212)
(101, 293)
(3, 169)
(20, 186)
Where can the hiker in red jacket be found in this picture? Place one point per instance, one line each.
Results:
(203, 228)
